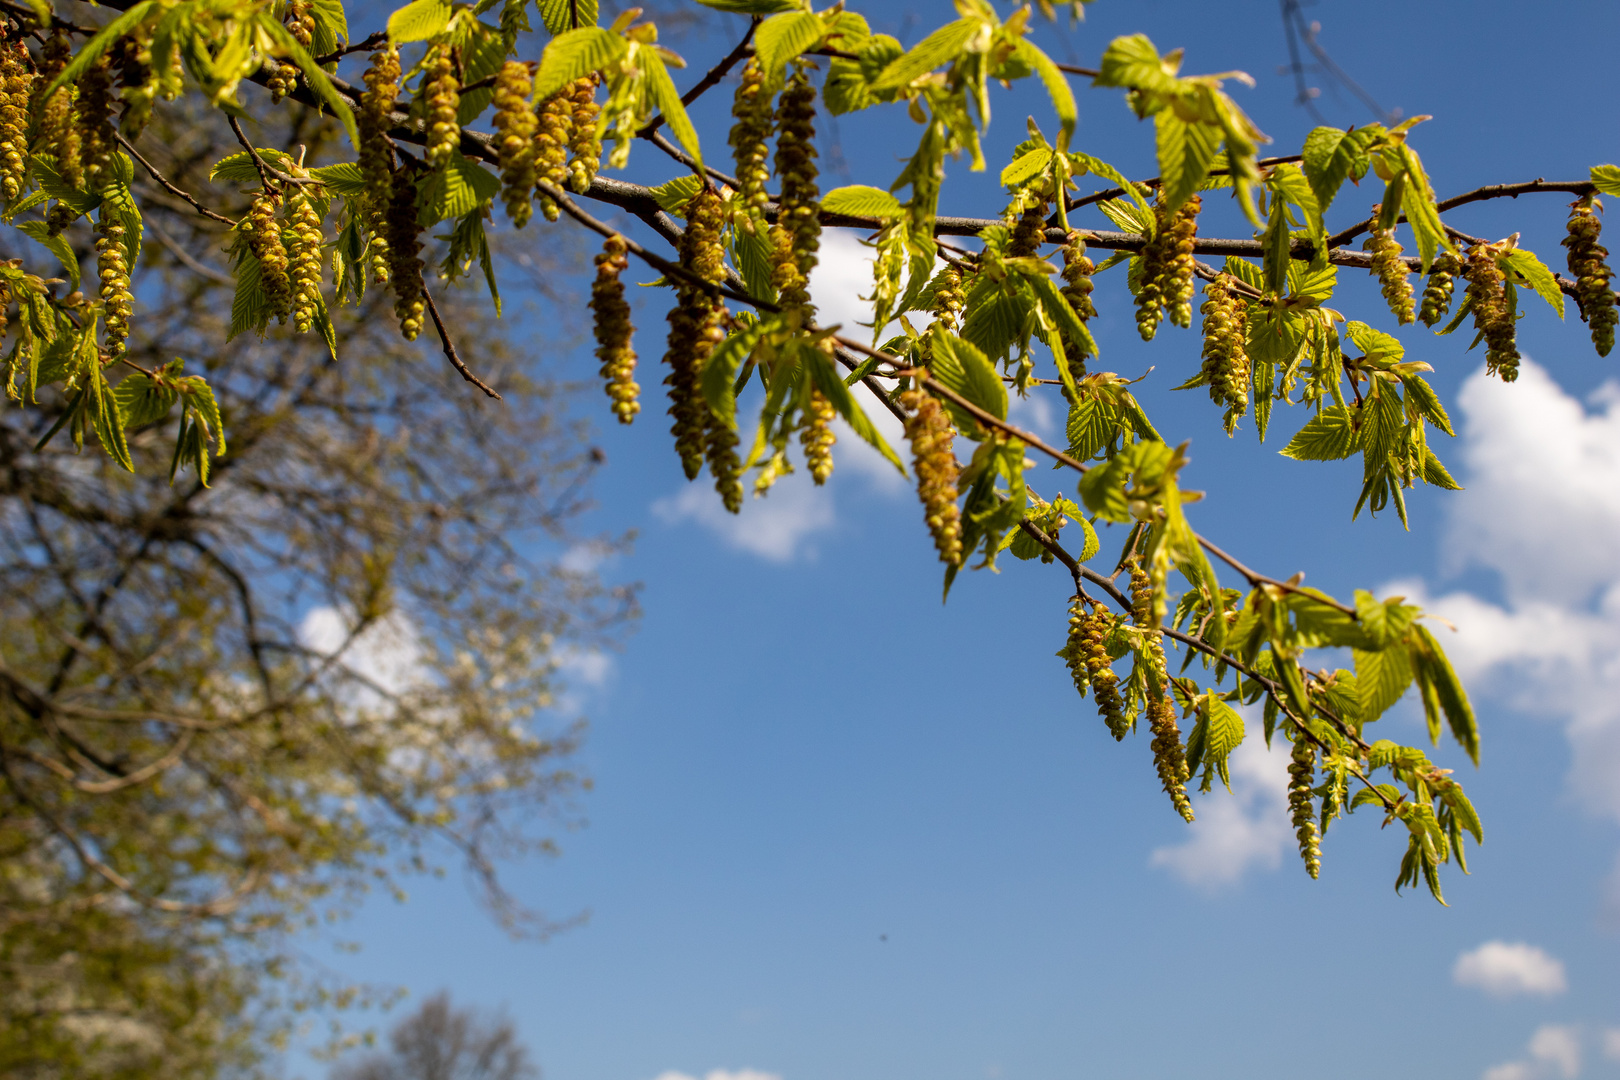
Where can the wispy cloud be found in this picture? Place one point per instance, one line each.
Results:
(777, 528)
(1553, 1051)
(1505, 969)
(721, 1074)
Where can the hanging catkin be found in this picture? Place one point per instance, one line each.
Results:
(264, 240)
(585, 152)
(1301, 775)
(694, 328)
(1438, 289)
(796, 236)
(1169, 757)
(404, 256)
(376, 153)
(933, 459)
(16, 86)
(1390, 270)
(751, 109)
(443, 92)
(555, 121)
(611, 318)
(1487, 293)
(1589, 266)
(514, 140)
(1226, 358)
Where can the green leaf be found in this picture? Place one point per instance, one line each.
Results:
(343, 179)
(200, 398)
(1219, 731)
(782, 37)
(1332, 157)
(996, 321)
(1435, 671)
(1185, 153)
(1422, 212)
(1089, 547)
(1027, 167)
(962, 368)
(673, 195)
(827, 380)
(1057, 308)
(1134, 64)
(560, 16)
(57, 245)
(238, 168)
(142, 402)
(1607, 178)
(942, 46)
(1245, 271)
(860, 200)
(1057, 88)
(1092, 423)
(250, 308)
(1376, 344)
(1102, 488)
(1328, 436)
(661, 89)
(1536, 274)
(109, 424)
(458, 189)
(331, 26)
(419, 20)
(752, 255)
(1099, 167)
(720, 369)
(97, 45)
(575, 53)
(1420, 394)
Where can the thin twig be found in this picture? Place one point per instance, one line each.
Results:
(450, 348)
(368, 43)
(151, 169)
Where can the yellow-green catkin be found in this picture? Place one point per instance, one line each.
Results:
(720, 451)
(1487, 294)
(96, 135)
(305, 271)
(376, 153)
(16, 86)
(816, 436)
(611, 319)
(514, 140)
(1301, 775)
(1438, 289)
(58, 134)
(584, 151)
(1226, 357)
(1077, 286)
(949, 298)
(1169, 757)
(1090, 665)
(1390, 270)
(282, 81)
(694, 328)
(404, 256)
(1166, 281)
(1030, 232)
(749, 140)
(1589, 267)
(300, 20)
(137, 82)
(112, 266)
(933, 460)
(443, 90)
(796, 236)
(551, 146)
(264, 240)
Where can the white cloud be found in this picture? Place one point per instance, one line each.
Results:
(1503, 969)
(842, 275)
(1234, 833)
(721, 1074)
(1541, 513)
(1554, 1052)
(1611, 1044)
(776, 527)
(388, 654)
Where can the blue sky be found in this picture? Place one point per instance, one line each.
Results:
(841, 832)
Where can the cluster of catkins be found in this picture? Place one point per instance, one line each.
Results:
(1493, 317)
(1226, 357)
(1077, 287)
(1589, 266)
(697, 324)
(1437, 290)
(553, 141)
(1167, 265)
(1168, 754)
(289, 255)
(1390, 269)
(949, 298)
(390, 206)
(16, 87)
(933, 459)
(1301, 775)
(1086, 654)
(613, 330)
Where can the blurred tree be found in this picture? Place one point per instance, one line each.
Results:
(227, 711)
(438, 1042)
